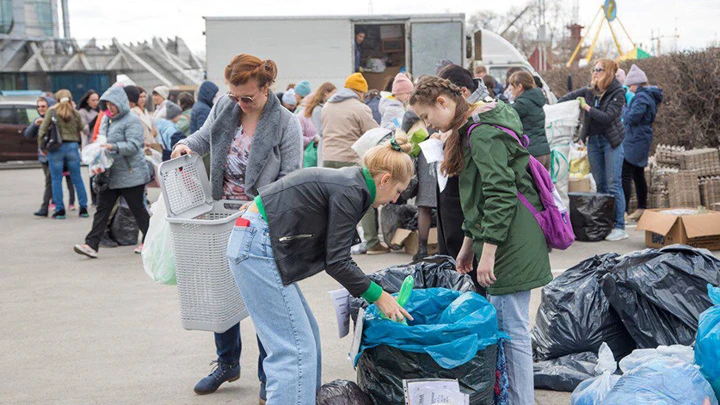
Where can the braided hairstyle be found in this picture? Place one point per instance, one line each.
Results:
(427, 91)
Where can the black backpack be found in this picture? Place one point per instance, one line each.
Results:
(52, 139)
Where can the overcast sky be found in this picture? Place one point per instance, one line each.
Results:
(137, 20)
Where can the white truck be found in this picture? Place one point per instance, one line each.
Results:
(321, 48)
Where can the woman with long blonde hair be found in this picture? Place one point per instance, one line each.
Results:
(70, 126)
(603, 133)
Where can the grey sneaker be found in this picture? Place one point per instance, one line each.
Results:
(220, 374)
(86, 250)
(617, 235)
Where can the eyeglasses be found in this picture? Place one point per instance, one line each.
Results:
(598, 70)
(244, 99)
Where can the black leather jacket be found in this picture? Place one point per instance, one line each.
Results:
(312, 215)
(607, 117)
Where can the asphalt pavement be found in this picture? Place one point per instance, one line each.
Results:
(81, 331)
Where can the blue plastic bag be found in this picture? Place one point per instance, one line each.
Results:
(594, 390)
(707, 342)
(448, 325)
(666, 381)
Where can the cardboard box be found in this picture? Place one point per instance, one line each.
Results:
(700, 231)
(410, 241)
(576, 185)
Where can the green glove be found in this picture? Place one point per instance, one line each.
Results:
(582, 101)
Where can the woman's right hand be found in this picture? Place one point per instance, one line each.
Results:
(388, 306)
(180, 150)
(465, 258)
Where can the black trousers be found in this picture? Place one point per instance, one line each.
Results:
(630, 174)
(449, 225)
(106, 201)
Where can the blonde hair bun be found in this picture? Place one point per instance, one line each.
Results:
(400, 140)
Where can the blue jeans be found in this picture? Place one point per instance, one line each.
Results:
(229, 348)
(282, 317)
(68, 155)
(606, 165)
(513, 313)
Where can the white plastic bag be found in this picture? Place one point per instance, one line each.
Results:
(157, 254)
(642, 356)
(370, 139)
(594, 390)
(96, 158)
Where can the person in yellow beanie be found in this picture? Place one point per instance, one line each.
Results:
(357, 82)
(345, 118)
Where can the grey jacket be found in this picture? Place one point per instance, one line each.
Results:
(125, 133)
(392, 111)
(276, 148)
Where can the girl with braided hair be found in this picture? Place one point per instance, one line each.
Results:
(500, 230)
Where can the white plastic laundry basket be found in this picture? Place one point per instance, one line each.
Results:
(200, 229)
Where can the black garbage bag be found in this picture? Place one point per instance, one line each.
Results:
(394, 216)
(660, 294)
(123, 228)
(565, 373)
(431, 272)
(382, 369)
(341, 392)
(575, 316)
(592, 215)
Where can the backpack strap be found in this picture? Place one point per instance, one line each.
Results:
(524, 142)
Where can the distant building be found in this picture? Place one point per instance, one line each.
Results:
(33, 55)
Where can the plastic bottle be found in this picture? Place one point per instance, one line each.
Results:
(404, 294)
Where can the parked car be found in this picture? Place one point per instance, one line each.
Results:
(16, 113)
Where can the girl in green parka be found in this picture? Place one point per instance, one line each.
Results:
(499, 229)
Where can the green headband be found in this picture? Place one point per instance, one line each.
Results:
(395, 145)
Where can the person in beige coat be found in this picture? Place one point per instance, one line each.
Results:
(345, 118)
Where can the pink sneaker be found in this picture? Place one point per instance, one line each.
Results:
(138, 250)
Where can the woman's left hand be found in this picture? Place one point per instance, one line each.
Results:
(107, 146)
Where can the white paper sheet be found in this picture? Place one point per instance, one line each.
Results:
(341, 302)
(433, 150)
(357, 338)
(434, 392)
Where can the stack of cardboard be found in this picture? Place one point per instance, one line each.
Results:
(684, 189)
(659, 197)
(710, 191)
(669, 156)
(703, 162)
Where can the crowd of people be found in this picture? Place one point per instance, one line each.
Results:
(301, 222)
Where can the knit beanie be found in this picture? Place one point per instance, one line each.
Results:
(302, 89)
(356, 82)
(635, 76)
(133, 93)
(620, 76)
(289, 97)
(162, 91)
(402, 84)
(173, 110)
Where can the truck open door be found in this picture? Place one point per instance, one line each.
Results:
(433, 41)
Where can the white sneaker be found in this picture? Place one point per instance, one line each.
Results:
(616, 235)
(86, 250)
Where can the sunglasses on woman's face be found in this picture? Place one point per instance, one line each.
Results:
(598, 70)
(244, 99)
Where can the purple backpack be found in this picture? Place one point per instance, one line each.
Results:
(555, 219)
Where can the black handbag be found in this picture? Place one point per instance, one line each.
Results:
(101, 182)
(52, 140)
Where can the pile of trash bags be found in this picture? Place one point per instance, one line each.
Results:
(641, 300)
(665, 375)
(454, 335)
